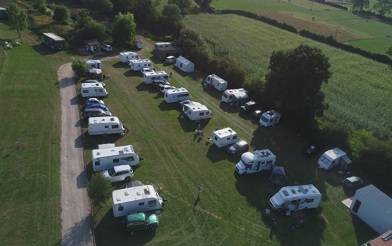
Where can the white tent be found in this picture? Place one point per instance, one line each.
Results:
(184, 64)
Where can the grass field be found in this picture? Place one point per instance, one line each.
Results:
(29, 146)
(303, 14)
(359, 84)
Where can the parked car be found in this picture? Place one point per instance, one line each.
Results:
(257, 113)
(106, 47)
(118, 173)
(183, 102)
(163, 87)
(140, 221)
(93, 100)
(96, 112)
(95, 81)
(170, 59)
(311, 150)
(250, 106)
(145, 69)
(352, 183)
(238, 148)
(157, 83)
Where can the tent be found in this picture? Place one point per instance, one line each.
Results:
(184, 64)
(278, 176)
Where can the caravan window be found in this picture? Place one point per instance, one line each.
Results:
(152, 203)
(309, 200)
(97, 163)
(120, 208)
(201, 114)
(106, 126)
(235, 137)
(114, 126)
(130, 158)
(269, 162)
(141, 203)
(116, 160)
(85, 91)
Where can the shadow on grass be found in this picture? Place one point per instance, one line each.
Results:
(190, 126)
(131, 73)
(215, 154)
(143, 87)
(363, 232)
(92, 142)
(209, 89)
(43, 50)
(80, 233)
(119, 64)
(226, 107)
(164, 106)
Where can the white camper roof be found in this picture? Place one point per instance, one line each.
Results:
(53, 36)
(262, 153)
(195, 106)
(217, 78)
(176, 90)
(299, 191)
(91, 85)
(120, 150)
(378, 199)
(154, 73)
(127, 53)
(225, 132)
(107, 145)
(134, 61)
(133, 193)
(183, 60)
(335, 153)
(239, 92)
(102, 120)
(93, 61)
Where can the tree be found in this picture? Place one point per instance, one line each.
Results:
(360, 4)
(204, 4)
(87, 28)
(99, 5)
(383, 7)
(145, 12)
(80, 68)
(124, 28)
(293, 84)
(99, 189)
(184, 5)
(170, 19)
(17, 18)
(61, 13)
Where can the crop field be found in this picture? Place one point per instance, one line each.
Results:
(358, 89)
(326, 20)
(29, 146)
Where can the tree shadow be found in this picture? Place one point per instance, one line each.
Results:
(80, 233)
(81, 180)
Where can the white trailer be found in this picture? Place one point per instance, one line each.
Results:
(128, 55)
(149, 77)
(216, 81)
(224, 137)
(255, 161)
(108, 156)
(93, 90)
(332, 158)
(269, 118)
(94, 64)
(136, 199)
(105, 125)
(162, 45)
(137, 65)
(196, 111)
(235, 96)
(291, 198)
(176, 95)
(184, 64)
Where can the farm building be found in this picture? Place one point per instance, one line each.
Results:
(373, 207)
(53, 41)
(92, 46)
(163, 50)
(184, 64)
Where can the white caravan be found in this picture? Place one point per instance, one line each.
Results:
(136, 199)
(105, 125)
(162, 45)
(333, 158)
(176, 95)
(196, 111)
(224, 137)
(138, 44)
(256, 161)
(93, 90)
(216, 81)
(128, 55)
(298, 197)
(149, 77)
(137, 65)
(269, 118)
(108, 156)
(235, 96)
(94, 64)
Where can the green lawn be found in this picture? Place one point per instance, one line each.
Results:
(29, 161)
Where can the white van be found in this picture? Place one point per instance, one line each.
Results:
(137, 65)
(128, 55)
(93, 90)
(196, 111)
(176, 95)
(149, 77)
(105, 125)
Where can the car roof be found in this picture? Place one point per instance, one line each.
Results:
(353, 179)
(122, 168)
(242, 143)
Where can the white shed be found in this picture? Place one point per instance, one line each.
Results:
(373, 207)
(184, 64)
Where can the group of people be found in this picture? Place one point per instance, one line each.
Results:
(290, 226)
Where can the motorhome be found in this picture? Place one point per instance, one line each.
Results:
(269, 118)
(224, 137)
(216, 81)
(94, 64)
(236, 97)
(136, 199)
(176, 95)
(196, 111)
(291, 198)
(93, 90)
(105, 125)
(137, 65)
(332, 158)
(255, 161)
(128, 55)
(149, 77)
(108, 156)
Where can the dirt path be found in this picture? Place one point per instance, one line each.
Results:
(76, 210)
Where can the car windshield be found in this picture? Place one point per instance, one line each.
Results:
(111, 171)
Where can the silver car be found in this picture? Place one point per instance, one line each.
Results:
(118, 173)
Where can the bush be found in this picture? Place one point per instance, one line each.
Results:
(80, 68)
(99, 189)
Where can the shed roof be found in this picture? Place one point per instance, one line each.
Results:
(53, 36)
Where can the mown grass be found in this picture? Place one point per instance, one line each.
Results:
(29, 161)
(358, 93)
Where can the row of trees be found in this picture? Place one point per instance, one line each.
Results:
(381, 7)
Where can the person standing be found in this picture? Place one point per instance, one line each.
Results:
(200, 189)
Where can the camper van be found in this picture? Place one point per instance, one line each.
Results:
(105, 125)
(236, 97)
(93, 90)
(269, 118)
(151, 76)
(176, 95)
(94, 64)
(137, 65)
(136, 199)
(108, 156)
(196, 111)
(332, 158)
(256, 161)
(224, 137)
(128, 55)
(216, 81)
(291, 198)
(162, 45)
